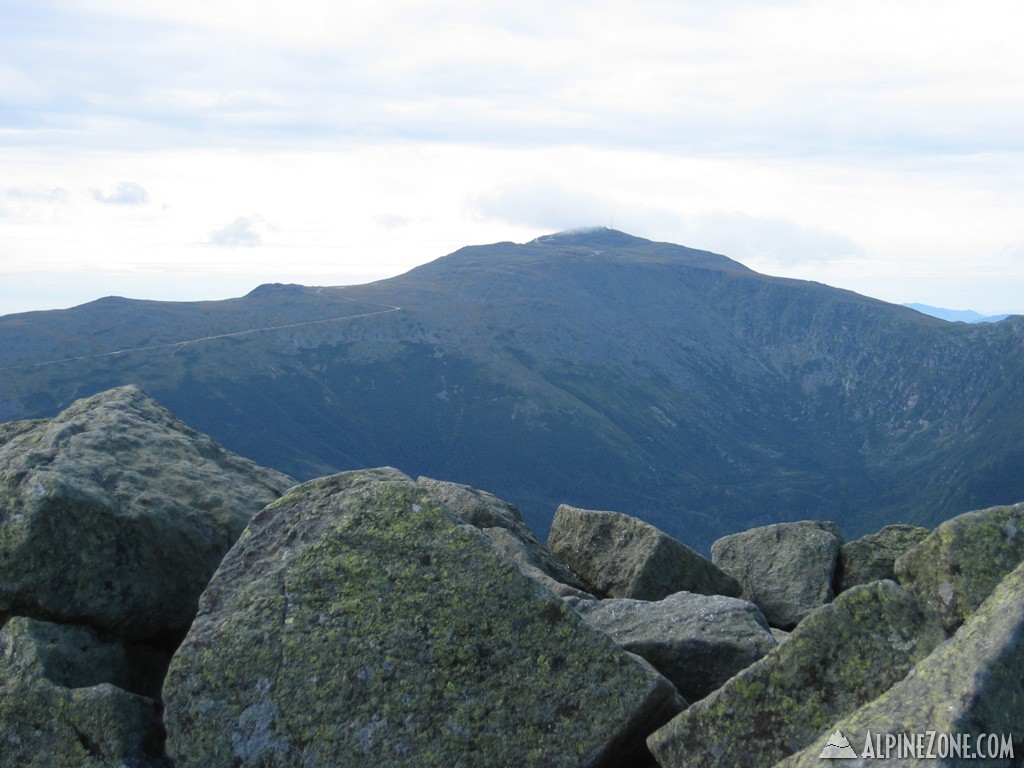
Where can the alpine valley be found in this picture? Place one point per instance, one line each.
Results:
(588, 367)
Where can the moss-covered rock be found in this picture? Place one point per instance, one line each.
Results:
(954, 569)
(872, 557)
(358, 621)
(786, 569)
(59, 708)
(697, 641)
(837, 659)
(503, 524)
(115, 514)
(616, 555)
(969, 686)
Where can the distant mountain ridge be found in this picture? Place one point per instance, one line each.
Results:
(957, 315)
(587, 367)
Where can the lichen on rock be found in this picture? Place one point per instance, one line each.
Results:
(502, 523)
(140, 508)
(616, 555)
(697, 641)
(63, 701)
(969, 686)
(358, 620)
(786, 569)
(837, 659)
(955, 568)
(873, 557)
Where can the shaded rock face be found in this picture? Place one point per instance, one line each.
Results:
(503, 524)
(525, 556)
(63, 700)
(873, 557)
(140, 507)
(616, 555)
(969, 685)
(954, 569)
(357, 621)
(838, 658)
(786, 569)
(697, 641)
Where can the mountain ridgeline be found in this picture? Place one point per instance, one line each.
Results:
(589, 367)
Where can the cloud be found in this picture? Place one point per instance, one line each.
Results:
(389, 222)
(239, 233)
(770, 240)
(125, 193)
(552, 207)
(769, 78)
(42, 195)
(32, 203)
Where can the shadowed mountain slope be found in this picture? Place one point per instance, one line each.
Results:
(587, 367)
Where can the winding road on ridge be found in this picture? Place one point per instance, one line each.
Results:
(176, 345)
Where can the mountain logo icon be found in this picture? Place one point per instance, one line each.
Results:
(837, 747)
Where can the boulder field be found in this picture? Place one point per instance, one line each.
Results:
(166, 604)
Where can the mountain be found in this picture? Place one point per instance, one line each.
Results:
(957, 315)
(587, 367)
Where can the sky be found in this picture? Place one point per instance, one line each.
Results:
(193, 149)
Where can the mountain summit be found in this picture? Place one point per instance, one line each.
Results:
(588, 367)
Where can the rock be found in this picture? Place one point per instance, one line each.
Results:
(141, 508)
(837, 659)
(475, 507)
(780, 635)
(969, 686)
(525, 557)
(955, 568)
(872, 557)
(616, 555)
(696, 641)
(786, 569)
(490, 514)
(58, 706)
(76, 656)
(358, 621)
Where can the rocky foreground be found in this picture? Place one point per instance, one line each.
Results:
(166, 603)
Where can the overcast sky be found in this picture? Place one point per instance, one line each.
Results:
(192, 149)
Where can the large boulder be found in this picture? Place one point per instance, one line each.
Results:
(358, 621)
(115, 514)
(873, 557)
(696, 641)
(969, 687)
(503, 524)
(616, 555)
(837, 659)
(786, 569)
(63, 700)
(954, 569)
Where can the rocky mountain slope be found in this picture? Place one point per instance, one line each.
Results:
(591, 368)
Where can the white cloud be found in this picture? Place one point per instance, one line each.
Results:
(391, 222)
(543, 205)
(776, 240)
(125, 193)
(773, 79)
(771, 240)
(240, 232)
(39, 195)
